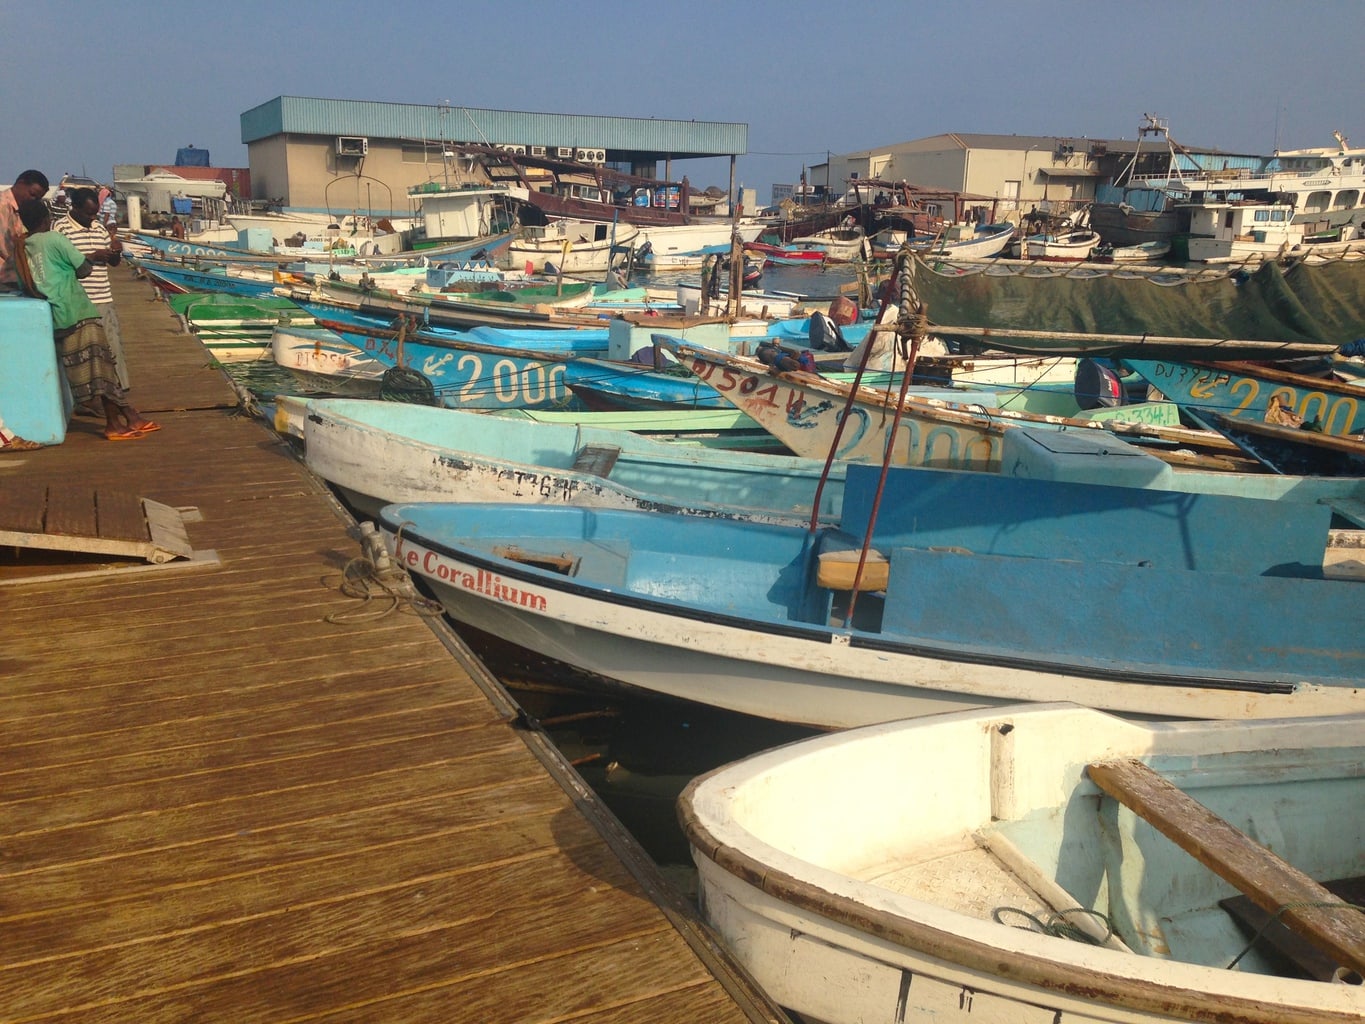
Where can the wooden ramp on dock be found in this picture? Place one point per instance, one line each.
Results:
(68, 517)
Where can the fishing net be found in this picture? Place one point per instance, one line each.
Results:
(1320, 302)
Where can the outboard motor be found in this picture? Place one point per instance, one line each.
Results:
(1097, 386)
(825, 334)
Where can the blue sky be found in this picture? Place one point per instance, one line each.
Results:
(85, 86)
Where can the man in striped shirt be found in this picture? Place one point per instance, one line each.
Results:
(103, 250)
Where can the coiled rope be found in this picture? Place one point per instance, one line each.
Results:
(1057, 924)
(374, 579)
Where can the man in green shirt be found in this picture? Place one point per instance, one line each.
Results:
(56, 267)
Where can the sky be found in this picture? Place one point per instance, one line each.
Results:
(85, 86)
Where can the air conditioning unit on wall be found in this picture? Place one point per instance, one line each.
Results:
(591, 156)
(515, 150)
(352, 145)
(537, 150)
(564, 152)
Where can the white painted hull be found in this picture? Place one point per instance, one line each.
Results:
(836, 250)
(321, 357)
(809, 676)
(1075, 248)
(855, 876)
(670, 239)
(571, 248)
(767, 305)
(375, 467)
(1222, 250)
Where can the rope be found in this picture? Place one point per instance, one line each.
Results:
(1057, 924)
(404, 384)
(373, 577)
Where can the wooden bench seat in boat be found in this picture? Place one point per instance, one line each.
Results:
(1304, 906)
(838, 570)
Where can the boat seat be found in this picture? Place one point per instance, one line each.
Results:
(1302, 905)
(596, 459)
(835, 570)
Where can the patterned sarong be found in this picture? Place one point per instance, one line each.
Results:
(89, 363)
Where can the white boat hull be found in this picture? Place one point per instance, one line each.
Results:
(858, 877)
(322, 358)
(572, 247)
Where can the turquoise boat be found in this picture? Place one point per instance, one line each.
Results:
(381, 452)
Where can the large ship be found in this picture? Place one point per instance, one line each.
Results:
(1325, 187)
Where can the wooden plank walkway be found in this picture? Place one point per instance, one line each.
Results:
(216, 805)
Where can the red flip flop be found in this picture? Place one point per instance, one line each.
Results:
(145, 427)
(122, 435)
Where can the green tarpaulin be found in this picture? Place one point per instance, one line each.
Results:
(1320, 302)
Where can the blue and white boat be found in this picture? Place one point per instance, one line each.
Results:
(476, 369)
(1250, 390)
(976, 590)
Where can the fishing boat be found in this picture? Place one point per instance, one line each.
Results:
(841, 244)
(1247, 233)
(483, 368)
(253, 280)
(321, 360)
(791, 255)
(236, 328)
(1141, 252)
(571, 247)
(754, 302)
(813, 415)
(1211, 606)
(1256, 391)
(1044, 863)
(956, 241)
(377, 453)
(1068, 245)
(452, 309)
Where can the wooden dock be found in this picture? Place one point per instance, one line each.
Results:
(230, 793)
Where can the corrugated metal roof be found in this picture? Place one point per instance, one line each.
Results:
(310, 116)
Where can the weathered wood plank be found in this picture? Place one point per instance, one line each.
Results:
(119, 516)
(71, 511)
(1256, 871)
(23, 504)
